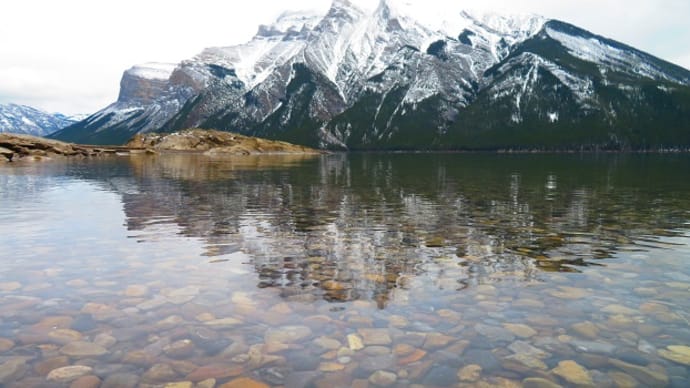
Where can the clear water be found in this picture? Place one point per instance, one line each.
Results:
(347, 270)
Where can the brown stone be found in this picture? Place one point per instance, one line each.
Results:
(64, 336)
(136, 291)
(86, 382)
(160, 373)
(520, 330)
(5, 345)
(382, 378)
(623, 380)
(470, 373)
(436, 341)
(179, 349)
(68, 373)
(415, 356)
(573, 373)
(244, 382)
(646, 376)
(375, 336)
(586, 329)
(215, 372)
(287, 334)
(139, 357)
(44, 367)
(83, 349)
(53, 323)
(538, 382)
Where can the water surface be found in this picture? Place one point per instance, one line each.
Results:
(347, 270)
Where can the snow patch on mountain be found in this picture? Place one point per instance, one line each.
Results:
(153, 70)
(594, 49)
(31, 121)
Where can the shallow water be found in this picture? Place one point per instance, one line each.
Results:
(347, 270)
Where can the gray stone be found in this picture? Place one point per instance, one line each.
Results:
(12, 370)
(494, 333)
(121, 380)
(441, 376)
(593, 347)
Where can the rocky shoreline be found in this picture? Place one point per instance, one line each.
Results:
(214, 142)
(16, 147)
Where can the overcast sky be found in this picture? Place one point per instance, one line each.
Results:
(68, 55)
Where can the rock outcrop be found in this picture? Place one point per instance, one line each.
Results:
(214, 142)
(14, 147)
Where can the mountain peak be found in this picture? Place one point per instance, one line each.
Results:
(408, 75)
(22, 119)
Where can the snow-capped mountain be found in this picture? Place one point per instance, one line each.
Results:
(31, 121)
(399, 78)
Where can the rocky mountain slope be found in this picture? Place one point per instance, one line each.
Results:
(31, 121)
(394, 78)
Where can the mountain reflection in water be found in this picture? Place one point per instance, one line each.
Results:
(348, 227)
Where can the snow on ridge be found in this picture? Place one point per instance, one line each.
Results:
(595, 50)
(153, 70)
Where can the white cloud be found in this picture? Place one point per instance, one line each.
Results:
(69, 55)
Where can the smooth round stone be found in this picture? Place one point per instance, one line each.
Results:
(180, 349)
(383, 378)
(646, 376)
(303, 361)
(520, 330)
(5, 344)
(538, 382)
(441, 376)
(139, 358)
(376, 350)
(105, 340)
(483, 358)
(207, 372)
(331, 367)
(180, 384)
(208, 383)
(244, 382)
(287, 334)
(121, 380)
(64, 336)
(83, 349)
(470, 373)
(375, 336)
(136, 290)
(12, 370)
(10, 286)
(586, 329)
(68, 373)
(160, 372)
(327, 343)
(623, 380)
(679, 354)
(44, 367)
(86, 382)
(573, 373)
(437, 340)
(77, 283)
(83, 323)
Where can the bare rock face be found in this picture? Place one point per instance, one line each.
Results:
(214, 142)
(142, 84)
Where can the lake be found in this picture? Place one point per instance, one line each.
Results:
(346, 271)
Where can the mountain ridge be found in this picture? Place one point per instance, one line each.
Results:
(23, 119)
(351, 79)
